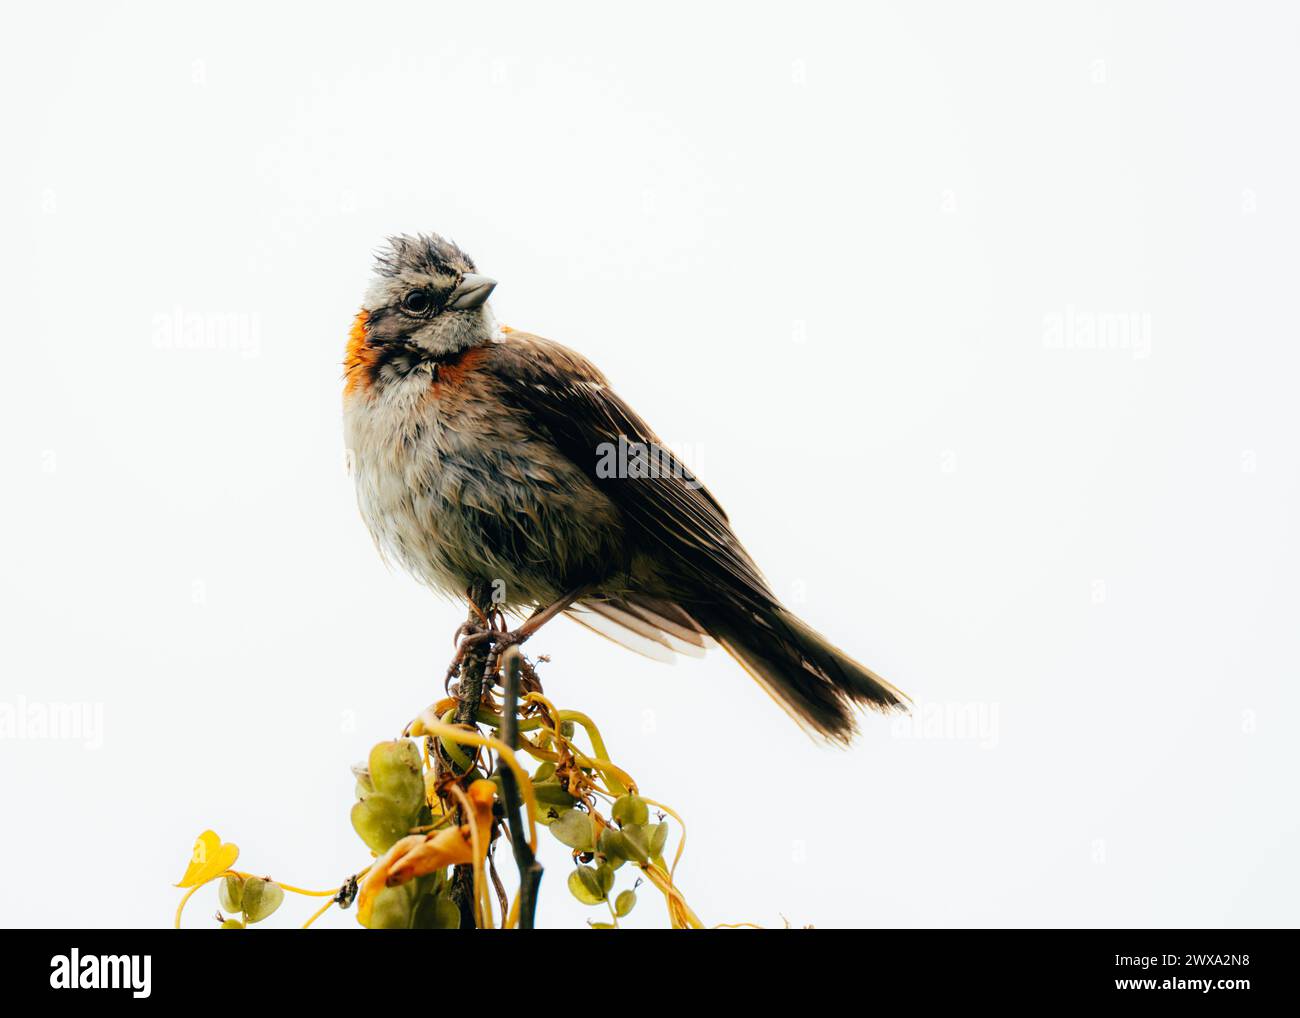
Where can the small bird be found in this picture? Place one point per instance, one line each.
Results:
(486, 455)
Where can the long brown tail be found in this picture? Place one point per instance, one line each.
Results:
(818, 684)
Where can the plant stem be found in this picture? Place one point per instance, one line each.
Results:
(469, 694)
(530, 870)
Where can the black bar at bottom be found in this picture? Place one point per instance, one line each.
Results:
(839, 968)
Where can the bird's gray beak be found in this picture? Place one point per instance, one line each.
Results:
(472, 292)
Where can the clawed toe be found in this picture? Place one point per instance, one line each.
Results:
(470, 633)
(501, 642)
(468, 636)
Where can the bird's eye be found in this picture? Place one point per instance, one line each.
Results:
(417, 302)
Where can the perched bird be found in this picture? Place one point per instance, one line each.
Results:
(483, 454)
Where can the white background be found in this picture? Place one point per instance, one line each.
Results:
(824, 251)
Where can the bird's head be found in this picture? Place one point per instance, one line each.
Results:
(426, 295)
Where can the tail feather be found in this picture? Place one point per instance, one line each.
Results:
(653, 629)
(817, 684)
(812, 680)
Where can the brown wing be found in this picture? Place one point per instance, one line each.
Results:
(669, 515)
(711, 581)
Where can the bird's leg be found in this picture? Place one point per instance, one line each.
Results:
(467, 637)
(475, 630)
(474, 625)
(540, 616)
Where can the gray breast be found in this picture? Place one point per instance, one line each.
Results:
(456, 494)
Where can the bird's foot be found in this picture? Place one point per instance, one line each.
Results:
(503, 640)
(468, 636)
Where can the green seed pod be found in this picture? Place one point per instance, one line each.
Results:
(232, 924)
(549, 793)
(261, 898)
(391, 909)
(436, 912)
(379, 822)
(575, 829)
(230, 893)
(631, 809)
(624, 903)
(585, 886)
(567, 729)
(448, 914)
(544, 772)
(397, 771)
(602, 926)
(611, 847)
(636, 842)
(605, 878)
(658, 838)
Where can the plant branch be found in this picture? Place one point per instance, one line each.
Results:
(530, 870)
(469, 695)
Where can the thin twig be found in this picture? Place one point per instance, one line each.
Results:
(530, 870)
(469, 692)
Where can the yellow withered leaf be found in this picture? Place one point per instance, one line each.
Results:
(211, 858)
